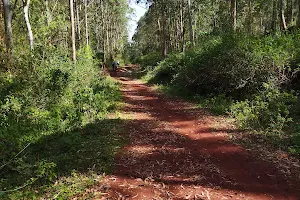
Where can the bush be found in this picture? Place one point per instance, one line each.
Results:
(151, 59)
(166, 70)
(268, 110)
(45, 96)
(234, 65)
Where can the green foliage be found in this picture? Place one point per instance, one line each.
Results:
(249, 69)
(166, 69)
(235, 65)
(150, 59)
(268, 110)
(46, 96)
(55, 163)
(219, 105)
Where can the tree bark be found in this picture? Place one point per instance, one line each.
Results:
(190, 23)
(8, 26)
(233, 14)
(298, 17)
(182, 26)
(274, 16)
(290, 13)
(86, 23)
(27, 21)
(72, 30)
(249, 18)
(281, 16)
(78, 23)
(163, 32)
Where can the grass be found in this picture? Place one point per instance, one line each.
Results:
(218, 105)
(69, 162)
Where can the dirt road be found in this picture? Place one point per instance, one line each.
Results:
(175, 153)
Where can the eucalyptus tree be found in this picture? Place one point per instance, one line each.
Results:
(7, 12)
(72, 30)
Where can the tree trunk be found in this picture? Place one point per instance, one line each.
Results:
(249, 18)
(8, 26)
(27, 21)
(72, 30)
(298, 17)
(182, 26)
(233, 14)
(78, 23)
(86, 23)
(281, 16)
(190, 23)
(274, 16)
(290, 13)
(163, 32)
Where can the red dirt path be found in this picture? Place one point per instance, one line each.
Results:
(174, 153)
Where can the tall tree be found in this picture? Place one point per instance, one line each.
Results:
(190, 23)
(7, 11)
(71, 4)
(298, 17)
(274, 15)
(86, 23)
(281, 16)
(27, 21)
(233, 14)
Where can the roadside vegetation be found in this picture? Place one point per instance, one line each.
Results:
(230, 64)
(59, 129)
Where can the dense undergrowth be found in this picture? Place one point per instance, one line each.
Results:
(253, 78)
(53, 124)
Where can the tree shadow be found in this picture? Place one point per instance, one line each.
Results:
(177, 146)
(92, 147)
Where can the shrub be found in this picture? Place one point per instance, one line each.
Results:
(234, 65)
(57, 96)
(151, 59)
(268, 110)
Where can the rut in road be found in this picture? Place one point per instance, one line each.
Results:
(174, 153)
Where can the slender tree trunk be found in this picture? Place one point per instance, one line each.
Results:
(233, 14)
(163, 33)
(298, 17)
(281, 16)
(261, 22)
(182, 31)
(274, 16)
(249, 18)
(73, 30)
(86, 23)
(290, 13)
(27, 21)
(190, 23)
(78, 23)
(8, 26)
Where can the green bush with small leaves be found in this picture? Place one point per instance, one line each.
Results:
(268, 110)
(46, 96)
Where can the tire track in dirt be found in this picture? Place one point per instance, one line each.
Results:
(174, 153)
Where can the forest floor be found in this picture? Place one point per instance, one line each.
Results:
(179, 151)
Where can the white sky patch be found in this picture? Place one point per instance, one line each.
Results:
(138, 12)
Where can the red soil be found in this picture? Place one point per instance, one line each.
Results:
(174, 153)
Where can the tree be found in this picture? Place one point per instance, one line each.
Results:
(233, 14)
(7, 11)
(27, 21)
(281, 16)
(190, 23)
(72, 30)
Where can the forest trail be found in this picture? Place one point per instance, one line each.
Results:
(175, 153)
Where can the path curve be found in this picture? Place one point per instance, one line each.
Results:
(175, 153)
